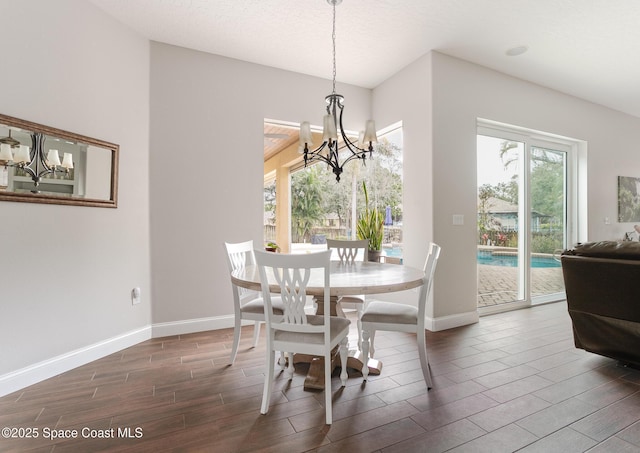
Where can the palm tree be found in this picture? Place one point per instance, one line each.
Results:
(306, 203)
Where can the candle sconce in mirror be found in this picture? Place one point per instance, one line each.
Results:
(41, 164)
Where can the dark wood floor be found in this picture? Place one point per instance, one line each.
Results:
(513, 382)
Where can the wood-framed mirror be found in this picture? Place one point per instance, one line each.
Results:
(42, 164)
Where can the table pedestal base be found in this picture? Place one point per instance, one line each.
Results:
(315, 375)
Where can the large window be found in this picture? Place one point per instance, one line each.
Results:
(322, 208)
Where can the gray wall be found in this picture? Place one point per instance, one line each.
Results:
(70, 66)
(464, 92)
(459, 93)
(207, 114)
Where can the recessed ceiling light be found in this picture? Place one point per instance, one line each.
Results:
(515, 51)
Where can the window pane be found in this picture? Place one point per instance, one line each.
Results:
(499, 164)
(548, 219)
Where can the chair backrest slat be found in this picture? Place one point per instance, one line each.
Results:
(239, 256)
(349, 251)
(292, 274)
(293, 283)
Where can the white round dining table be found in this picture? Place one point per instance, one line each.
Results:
(345, 280)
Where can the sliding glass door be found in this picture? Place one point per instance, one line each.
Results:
(548, 172)
(523, 201)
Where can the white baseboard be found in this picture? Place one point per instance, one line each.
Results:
(32, 374)
(451, 321)
(46, 369)
(166, 329)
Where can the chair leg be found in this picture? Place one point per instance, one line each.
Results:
(344, 351)
(282, 361)
(236, 339)
(424, 360)
(365, 355)
(327, 388)
(256, 333)
(372, 336)
(359, 308)
(290, 367)
(268, 382)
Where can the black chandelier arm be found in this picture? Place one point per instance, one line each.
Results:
(316, 154)
(38, 174)
(363, 157)
(333, 155)
(350, 145)
(319, 157)
(38, 167)
(317, 150)
(332, 161)
(28, 170)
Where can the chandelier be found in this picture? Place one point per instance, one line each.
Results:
(328, 151)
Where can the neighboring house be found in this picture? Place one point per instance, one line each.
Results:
(505, 215)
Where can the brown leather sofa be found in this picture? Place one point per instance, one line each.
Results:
(602, 282)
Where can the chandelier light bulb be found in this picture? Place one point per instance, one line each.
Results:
(305, 133)
(53, 158)
(22, 155)
(67, 161)
(5, 152)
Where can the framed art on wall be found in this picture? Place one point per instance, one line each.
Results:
(628, 199)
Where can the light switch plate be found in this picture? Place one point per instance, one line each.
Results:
(458, 219)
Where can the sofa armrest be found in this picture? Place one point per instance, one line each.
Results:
(622, 250)
(603, 286)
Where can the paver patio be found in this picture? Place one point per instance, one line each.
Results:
(497, 284)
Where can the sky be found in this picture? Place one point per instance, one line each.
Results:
(490, 167)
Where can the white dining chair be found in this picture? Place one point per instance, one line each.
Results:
(247, 304)
(349, 252)
(296, 331)
(396, 317)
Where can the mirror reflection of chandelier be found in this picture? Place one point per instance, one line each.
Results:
(32, 160)
(328, 151)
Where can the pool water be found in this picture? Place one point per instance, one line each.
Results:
(485, 257)
(396, 252)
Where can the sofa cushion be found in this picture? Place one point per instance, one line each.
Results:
(624, 250)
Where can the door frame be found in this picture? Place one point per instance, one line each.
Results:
(575, 163)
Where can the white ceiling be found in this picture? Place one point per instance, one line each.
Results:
(587, 48)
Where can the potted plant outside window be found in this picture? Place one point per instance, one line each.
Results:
(271, 247)
(371, 226)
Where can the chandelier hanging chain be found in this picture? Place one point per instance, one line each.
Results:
(333, 38)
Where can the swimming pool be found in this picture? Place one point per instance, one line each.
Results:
(395, 252)
(495, 259)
